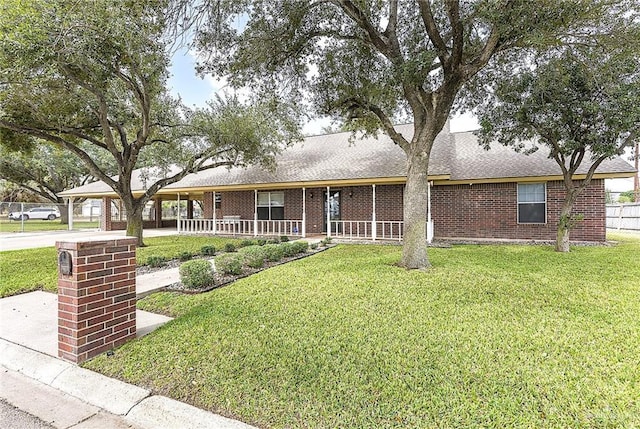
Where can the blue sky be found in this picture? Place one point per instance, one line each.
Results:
(195, 91)
(183, 81)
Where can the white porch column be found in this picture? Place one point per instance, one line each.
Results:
(255, 212)
(304, 212)
(178, 218)
(328, 212)
(214, 212)
(70, 213)
(374, 227)
(429, 221)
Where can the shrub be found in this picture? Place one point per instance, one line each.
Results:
(325, 241)
(273, 252)
(284, 238)
(196, 274)
(253, 256)
(185, 256)
(289, 249)
(313, 246)
(208, 250)
(229, 263)
(261, 241)
(156, 261)
(301, 246)
(229, 247)
(273, 240)
(246, 243)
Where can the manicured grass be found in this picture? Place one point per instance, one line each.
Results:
(27, 270)
(31, 269)
(172, 246)
(492, 336)
(42, 225)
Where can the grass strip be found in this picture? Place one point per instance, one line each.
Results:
(32, 225)
(32, 269)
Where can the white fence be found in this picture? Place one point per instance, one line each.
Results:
(346, 229)
(233, 225)
(362, 229)
(623, 216)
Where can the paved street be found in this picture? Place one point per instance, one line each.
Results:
(12, 417)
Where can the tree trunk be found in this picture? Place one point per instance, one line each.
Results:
(565, 223)
(414, 250)
(64, 213)
(134, 222)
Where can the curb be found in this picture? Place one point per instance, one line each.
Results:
(135, 404)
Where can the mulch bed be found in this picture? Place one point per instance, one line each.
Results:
(221, 280)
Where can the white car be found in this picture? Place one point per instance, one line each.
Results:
(48, 213)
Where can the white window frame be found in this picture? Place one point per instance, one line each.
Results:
(518, 202)
(270, 205)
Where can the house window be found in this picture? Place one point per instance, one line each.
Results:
(218, 200)
(532, 203)
(270, 205)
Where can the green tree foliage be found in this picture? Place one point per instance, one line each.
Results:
(627, 197)
(582, 105)
(374, 63)
(78, 74)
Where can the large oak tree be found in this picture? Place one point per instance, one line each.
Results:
(95, 73)
(373, 63)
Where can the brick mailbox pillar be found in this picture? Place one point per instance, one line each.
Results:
(96, 296)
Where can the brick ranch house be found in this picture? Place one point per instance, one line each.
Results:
(354, 190)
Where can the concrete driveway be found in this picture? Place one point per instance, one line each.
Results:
(30, 240)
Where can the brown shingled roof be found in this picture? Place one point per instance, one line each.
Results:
(332, 157)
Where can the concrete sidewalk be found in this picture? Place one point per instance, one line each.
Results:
(64, 395)
(67, 396)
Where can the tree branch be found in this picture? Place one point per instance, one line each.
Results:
(453, 11)
(102, 113)
(375, 38)
(433, 32)
(93, 167)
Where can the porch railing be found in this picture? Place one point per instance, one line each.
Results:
(280, 227)
(346, 229)
(362, 229)
(235, 226)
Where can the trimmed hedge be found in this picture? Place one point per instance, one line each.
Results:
(155, 261)
(273, 252)
(229, 263)
(208, 250)
(196, 274)
(253, 256)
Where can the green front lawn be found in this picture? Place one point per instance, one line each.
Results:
(31, 269)
(492, 336)
(43, 225)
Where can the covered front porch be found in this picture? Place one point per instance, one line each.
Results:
(351, 212)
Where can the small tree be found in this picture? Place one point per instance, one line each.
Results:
(94, 74)
(627, 197)
(578, 104)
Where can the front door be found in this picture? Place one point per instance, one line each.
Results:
(334, 211)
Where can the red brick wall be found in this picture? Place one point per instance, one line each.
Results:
(207, 210)
(490, 211)
(236, 203)
(458, 211)
(97, 301)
